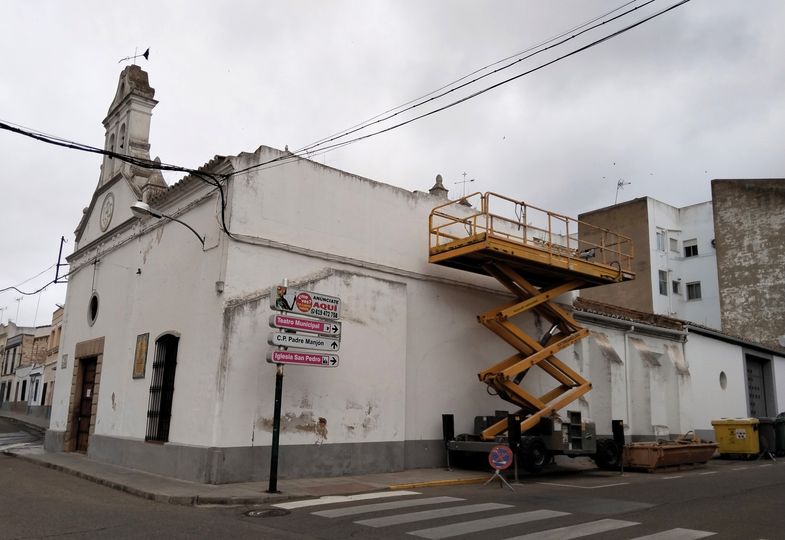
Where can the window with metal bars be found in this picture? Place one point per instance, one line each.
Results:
(159, 410)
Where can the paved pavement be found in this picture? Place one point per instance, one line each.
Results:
(164, 489)
(24, 441)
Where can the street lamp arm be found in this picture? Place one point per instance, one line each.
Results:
(183, 223)
(140, 209)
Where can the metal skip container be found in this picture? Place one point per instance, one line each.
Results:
(737, 437)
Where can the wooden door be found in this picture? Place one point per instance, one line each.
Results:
(85, 409)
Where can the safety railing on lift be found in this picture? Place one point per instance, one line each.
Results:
(492, 215)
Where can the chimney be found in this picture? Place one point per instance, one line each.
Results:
(438, 189)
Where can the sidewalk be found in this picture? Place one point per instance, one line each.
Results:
(169, 490)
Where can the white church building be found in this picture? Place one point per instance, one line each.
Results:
(165, 336)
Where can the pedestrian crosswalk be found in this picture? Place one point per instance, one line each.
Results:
(451, 517)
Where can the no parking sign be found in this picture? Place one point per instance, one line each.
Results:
(500, 457)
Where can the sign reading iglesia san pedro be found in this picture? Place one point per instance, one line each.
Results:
(304, 302)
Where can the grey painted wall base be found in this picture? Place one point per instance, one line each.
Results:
(217, 465)
(54, 441)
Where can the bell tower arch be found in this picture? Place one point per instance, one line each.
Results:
(127, 126)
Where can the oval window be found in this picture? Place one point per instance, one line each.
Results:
(92, 309)
(723, 380)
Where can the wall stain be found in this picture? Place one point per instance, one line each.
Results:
(361, 418)
(605, 347)
(302, 423)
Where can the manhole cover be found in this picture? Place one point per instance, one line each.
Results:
(270, 512)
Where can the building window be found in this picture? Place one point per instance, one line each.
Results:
(92, 309)
(663, 282)
(694, 290)
(691, 248)
(676, 287)
(24, 391)
(674, 245)
(159, 411)
(660, 240)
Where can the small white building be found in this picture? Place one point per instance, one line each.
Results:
(162, 355)
(675, 259)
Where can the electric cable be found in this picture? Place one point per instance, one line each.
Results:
(505, 81)
(476, 79)
(323, 147)
(479, 70)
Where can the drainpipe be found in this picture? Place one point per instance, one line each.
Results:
(627, 378)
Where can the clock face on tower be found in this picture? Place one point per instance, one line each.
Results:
(107, 208)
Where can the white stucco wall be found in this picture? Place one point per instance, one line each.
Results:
(173, 293)
(693, 222)
(708, 358)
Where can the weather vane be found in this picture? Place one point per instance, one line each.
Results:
(145, 54)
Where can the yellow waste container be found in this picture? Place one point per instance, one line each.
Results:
(737, 437)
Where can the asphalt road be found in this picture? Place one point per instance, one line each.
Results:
(721, 500)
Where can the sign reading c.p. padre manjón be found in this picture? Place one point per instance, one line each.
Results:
(305, 303)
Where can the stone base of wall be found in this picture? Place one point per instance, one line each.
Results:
(216, 465)
(54, 441)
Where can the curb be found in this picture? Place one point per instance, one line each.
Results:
(436, 483)
(26, 425)
(181, 500)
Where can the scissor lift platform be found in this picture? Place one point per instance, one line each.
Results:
(537, 255)
(545, 247)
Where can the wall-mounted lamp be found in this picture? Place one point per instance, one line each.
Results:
(141, 209)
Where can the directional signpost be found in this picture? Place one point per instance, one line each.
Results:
(303, 359)
(313, 326)
(288, 322)
(303, 341)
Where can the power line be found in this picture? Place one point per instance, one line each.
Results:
(479, 70)
(489, 88)
(45, 270)
(12, 288)
(369, 123)
(140, 162)
(324, 148)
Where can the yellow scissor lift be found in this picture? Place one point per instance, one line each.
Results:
(537, 255)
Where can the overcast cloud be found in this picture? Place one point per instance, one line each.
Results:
(695, 94)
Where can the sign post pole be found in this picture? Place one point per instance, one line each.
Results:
(273, 483)
(273, 486)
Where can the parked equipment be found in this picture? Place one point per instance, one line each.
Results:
(538, 256)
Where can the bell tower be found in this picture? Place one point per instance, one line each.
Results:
(127, 127)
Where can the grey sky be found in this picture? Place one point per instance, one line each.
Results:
(695, 94)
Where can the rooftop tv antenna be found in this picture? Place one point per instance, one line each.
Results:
(145, 54)
(464, 182)
(620, 186)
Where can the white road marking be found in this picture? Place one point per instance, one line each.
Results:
(379, 507)
(705, 473)
(672, 477)
(334, 499)
(739, 468)
(766, 465)
(676, 534)
(467, 527)
(411, 517)
(583, 487)
(577, 531)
